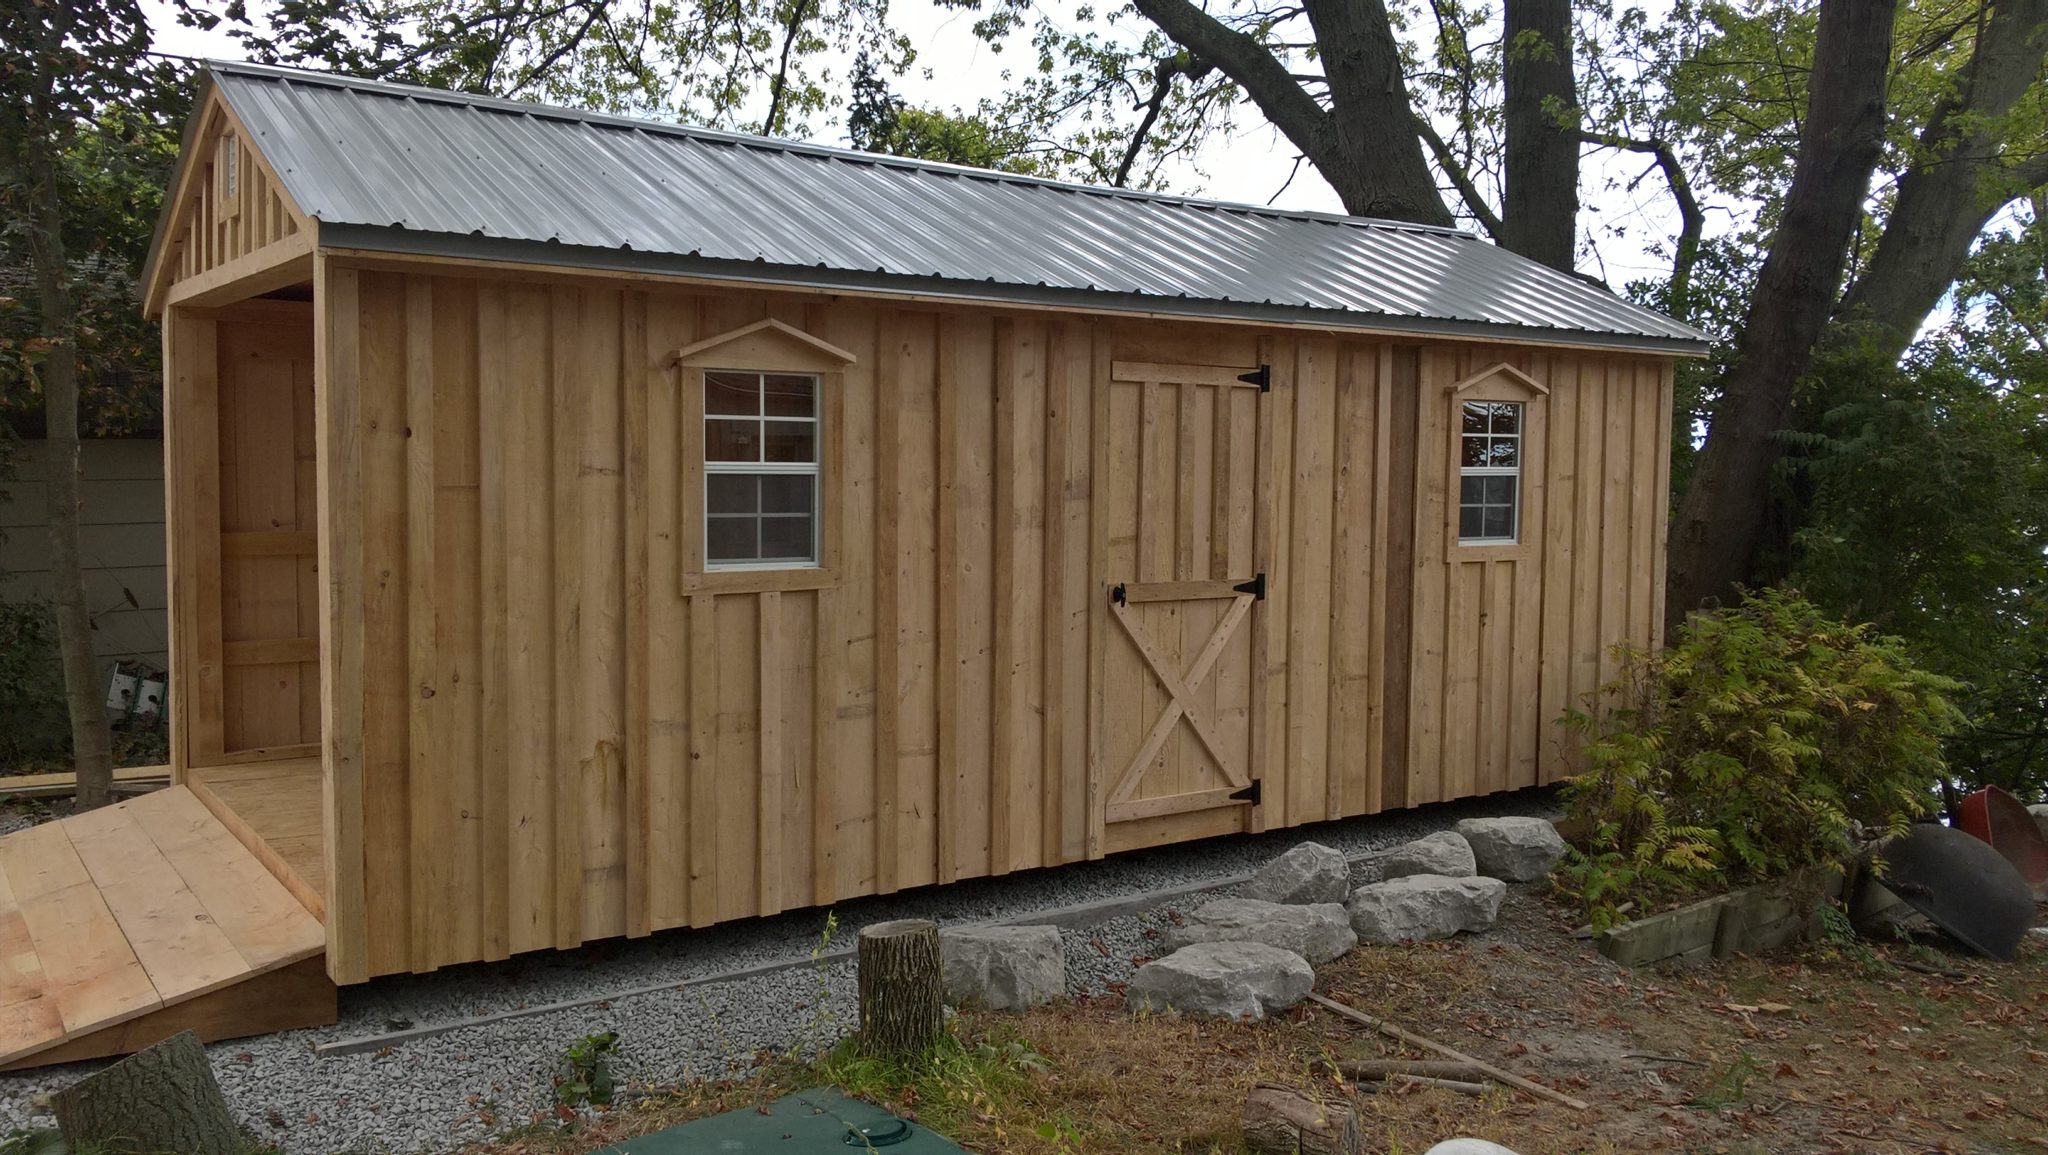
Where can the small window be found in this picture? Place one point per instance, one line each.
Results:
(760, 469)
(1490, 472)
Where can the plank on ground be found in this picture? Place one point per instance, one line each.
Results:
(28, 1016)
(94, 975)
(180, 948)
(260, 917)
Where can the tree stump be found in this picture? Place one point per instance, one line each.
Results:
(160, 1099)
(902, 995)
(1281, 1121)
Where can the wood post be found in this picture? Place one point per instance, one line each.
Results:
(1281, 1121)
(161, 1099)
(902, 1002)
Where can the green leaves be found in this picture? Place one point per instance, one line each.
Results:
(1757, 744)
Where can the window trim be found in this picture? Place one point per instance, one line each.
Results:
(768, 347)
(1497, 382)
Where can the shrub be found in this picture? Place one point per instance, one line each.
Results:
(1754, 746)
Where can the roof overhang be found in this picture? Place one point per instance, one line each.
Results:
(689, 267)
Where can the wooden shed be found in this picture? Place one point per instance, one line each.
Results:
(581, 527)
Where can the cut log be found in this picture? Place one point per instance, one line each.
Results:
(1282, 1121)
(902, 990)
(161, 1099)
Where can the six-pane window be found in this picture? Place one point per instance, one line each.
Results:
(760, 469)
(1490, 471)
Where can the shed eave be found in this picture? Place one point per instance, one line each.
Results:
(402, 242)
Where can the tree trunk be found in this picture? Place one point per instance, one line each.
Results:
(1715, 533)
(161, 1099)
(902, 996)
(1366, 144)
(1540, 107)
(91, 748)
(1954, 186)
(1281, 1121)
(1379, 169)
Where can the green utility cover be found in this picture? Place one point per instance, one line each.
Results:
(819, 1121)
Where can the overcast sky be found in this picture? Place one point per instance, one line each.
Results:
(1251, 166)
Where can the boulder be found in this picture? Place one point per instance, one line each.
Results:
(1515, 849)
(1003, 968)
(1230, 980)
(2040, 812)
(1318, 931)
(1423, 906)
(1445, 853)
(1468, 1147)
(1310, 872)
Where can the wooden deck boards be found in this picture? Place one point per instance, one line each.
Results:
(274, 809)
(112, 915)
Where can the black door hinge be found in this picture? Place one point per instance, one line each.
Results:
(1250, 793)
(1261, 376)
(1255, 587)
(1116, 594)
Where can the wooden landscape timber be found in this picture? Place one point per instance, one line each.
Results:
(127, 779)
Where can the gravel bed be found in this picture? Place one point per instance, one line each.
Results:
(433, 1094)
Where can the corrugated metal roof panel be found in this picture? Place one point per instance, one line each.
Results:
(421, 169)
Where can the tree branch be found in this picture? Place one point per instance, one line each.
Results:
(1163, 76)
(1692, 221)
(1468, 192)
(1262, 76)
(771, 125)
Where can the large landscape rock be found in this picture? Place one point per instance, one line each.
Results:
(1310, 872)
(1003, 968)
(1424, 906)
(1230, 980)
(2040, 812)
(1317, 931)
(1516, 849)
(1444, 853)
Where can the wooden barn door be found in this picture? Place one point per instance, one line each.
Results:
(1184, 503)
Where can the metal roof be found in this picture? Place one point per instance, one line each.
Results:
(398, 168)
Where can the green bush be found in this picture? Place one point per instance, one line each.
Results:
(37, 732)
(1754, 746)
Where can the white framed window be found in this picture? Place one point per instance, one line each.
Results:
(1490, 472)
(761, 470)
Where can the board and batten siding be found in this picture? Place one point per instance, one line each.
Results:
(539, 733)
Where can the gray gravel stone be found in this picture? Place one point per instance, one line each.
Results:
(1230, 980)
(1311, 872)
(1515, 849)
(436, 1094)
(1318, 931)
(1445, 853)
(1003, 968)
(1424, 906)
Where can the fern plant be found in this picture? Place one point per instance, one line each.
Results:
(1755, 746)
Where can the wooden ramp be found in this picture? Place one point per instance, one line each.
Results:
(128, 924)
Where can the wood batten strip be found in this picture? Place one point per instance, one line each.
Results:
(269, 543)
(888, 632)
(495, 709)
(640, 379)
(339, 440)
(769, 770)
(426, 727)
(703, 812)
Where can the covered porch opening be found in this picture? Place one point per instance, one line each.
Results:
(239, 409)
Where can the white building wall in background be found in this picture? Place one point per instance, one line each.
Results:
(122, 543)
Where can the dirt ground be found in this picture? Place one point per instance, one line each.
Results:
(1823, 1049)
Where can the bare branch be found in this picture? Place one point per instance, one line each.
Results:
(1468, 192)
(1692, 221)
